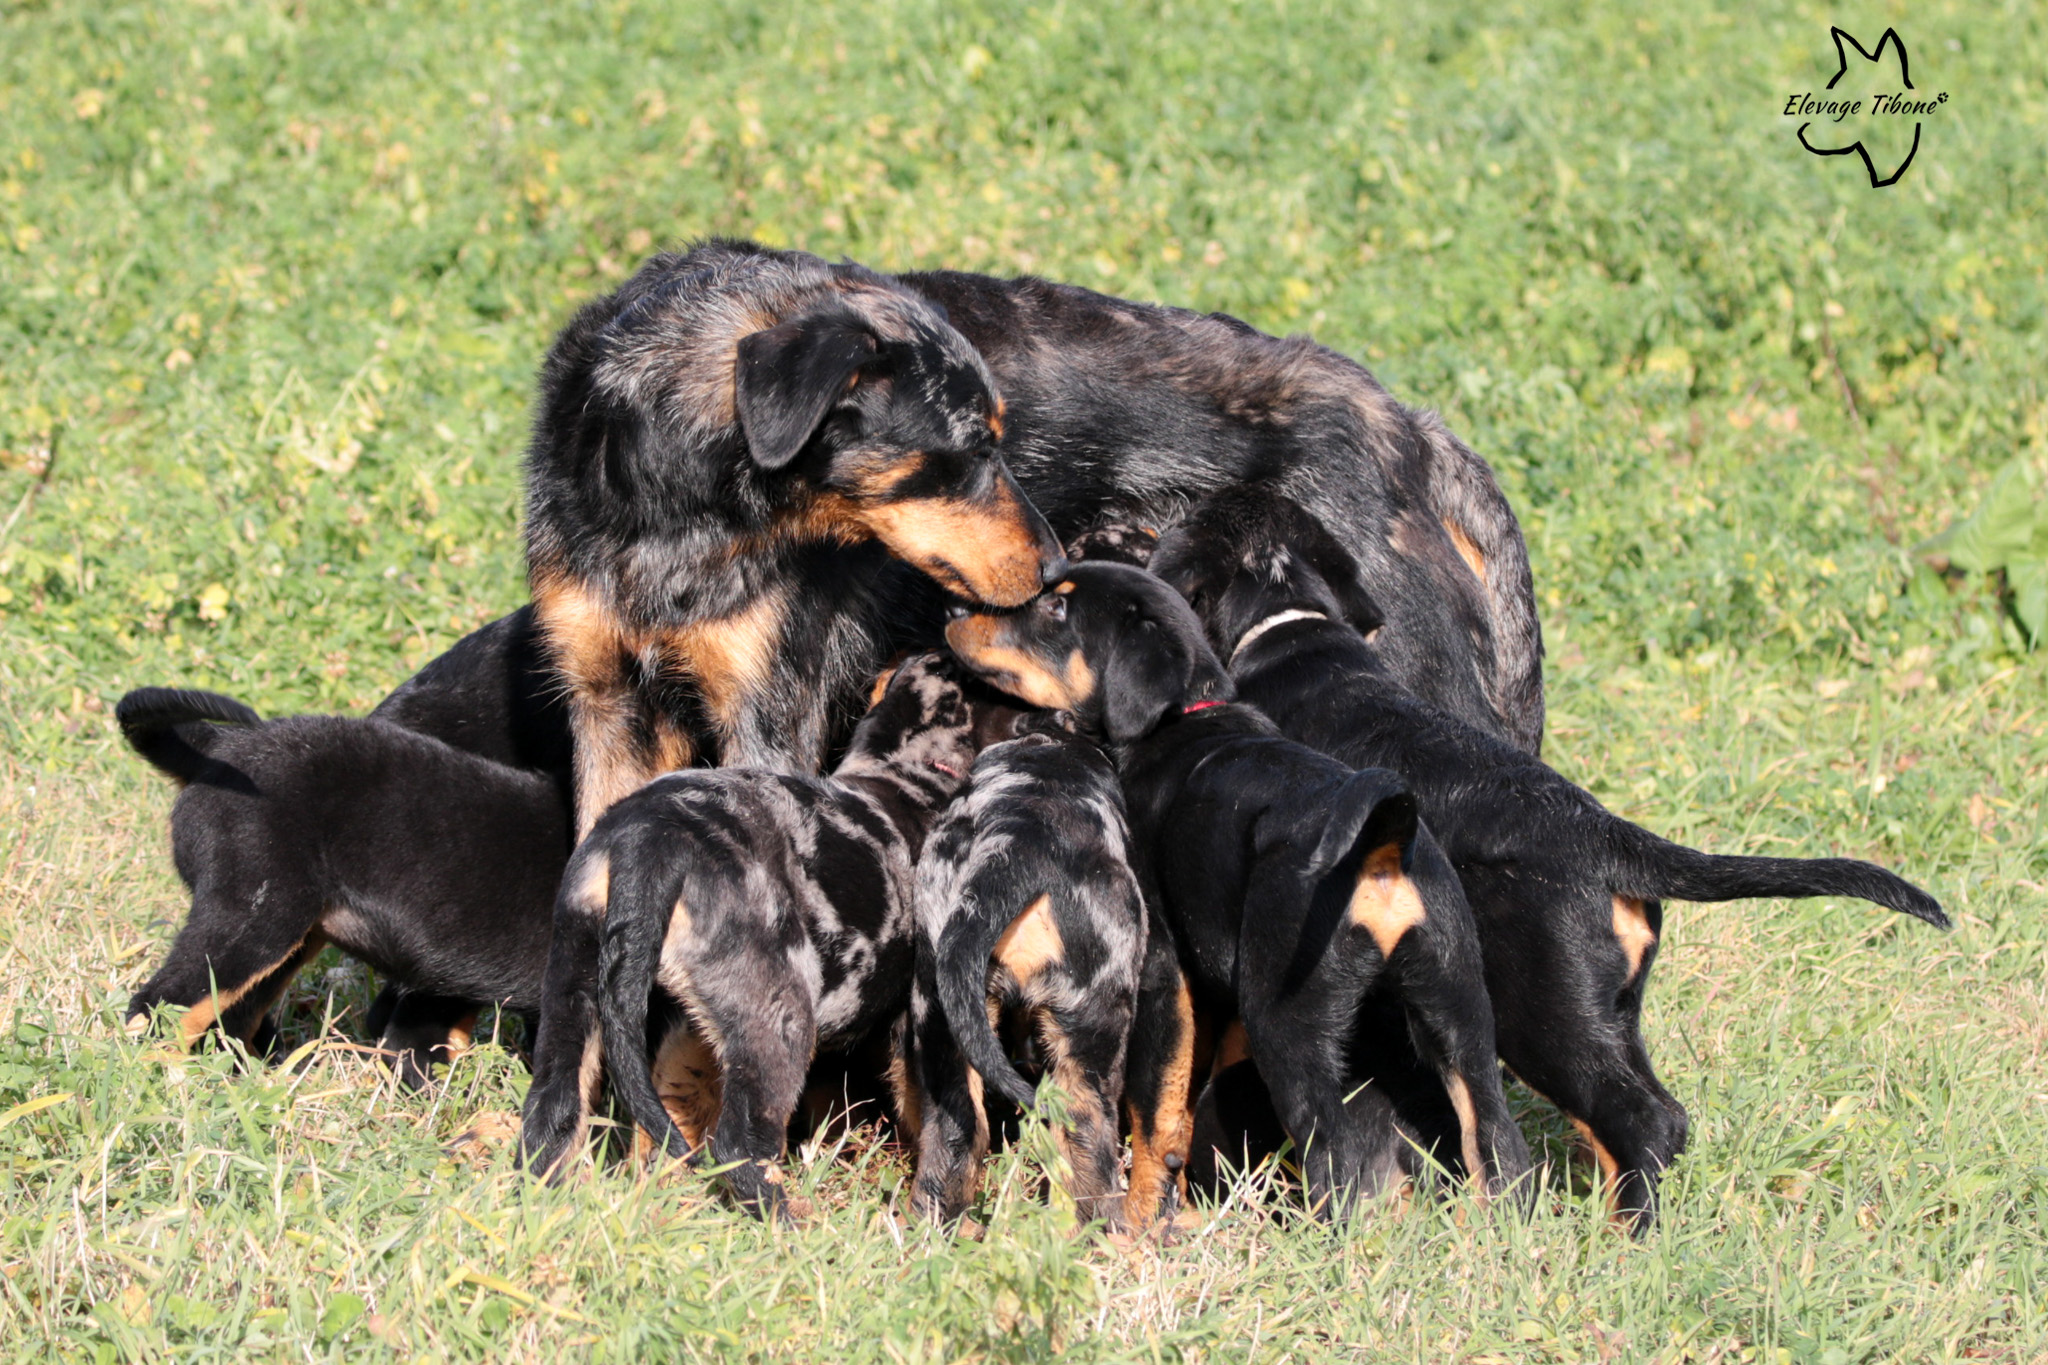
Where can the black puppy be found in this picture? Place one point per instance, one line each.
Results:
(777, 908)
(1566, 894)
(435, 866)
(1027, 906)
(1290, 887)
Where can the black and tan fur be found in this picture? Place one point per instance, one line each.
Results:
(778, 908)
(1568, 896)
(726, 454)
(435, 866)
(1027, 910)
(1287, 890)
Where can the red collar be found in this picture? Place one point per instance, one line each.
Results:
(1195, 706)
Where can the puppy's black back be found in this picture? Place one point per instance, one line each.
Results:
(402, 838)
(493, 694)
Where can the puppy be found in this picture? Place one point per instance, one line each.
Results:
(1288, 888)
(734, 458)
(1567, 895)
(435, 866)
(777, 908)
(1026, 906)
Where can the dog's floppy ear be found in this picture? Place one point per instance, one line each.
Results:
(1333, 564)
(1156, 666)
(789, 376)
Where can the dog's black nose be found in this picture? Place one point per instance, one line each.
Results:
(1052, 571)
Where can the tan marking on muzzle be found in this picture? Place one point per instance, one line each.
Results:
(1385, 902)
(982, 642)
(986, 550)
(1632, 931)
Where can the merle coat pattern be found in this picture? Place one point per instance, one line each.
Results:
(778, 908)
(1287, 889)
(1026, 903)
(1568, 897)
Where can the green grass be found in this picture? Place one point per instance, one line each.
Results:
(274, 279)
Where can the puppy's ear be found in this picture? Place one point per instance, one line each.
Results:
(1334, 564)
(789, 376)
(1154, 668)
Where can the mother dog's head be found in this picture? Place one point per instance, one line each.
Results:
(771, 397)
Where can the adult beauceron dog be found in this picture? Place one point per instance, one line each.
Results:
(724, 448)
(726, 453)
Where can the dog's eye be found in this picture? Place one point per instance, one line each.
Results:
(1053, 605)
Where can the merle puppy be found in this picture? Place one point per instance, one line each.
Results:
(777, 908)
(1567, 895)
(1288, 888)
(435, 866)
(1027, 908)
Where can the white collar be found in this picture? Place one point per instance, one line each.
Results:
(1276, 619)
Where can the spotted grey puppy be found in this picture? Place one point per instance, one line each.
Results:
(776, 907)
(1026, 907)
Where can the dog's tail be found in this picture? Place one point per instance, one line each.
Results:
(641, 897)
(1371, 808)
(167, 726)
(1648, 866)
(971, 934)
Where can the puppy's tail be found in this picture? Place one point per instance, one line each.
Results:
(1654, 867)
(167, 726)
(963, 951)
(642, 895)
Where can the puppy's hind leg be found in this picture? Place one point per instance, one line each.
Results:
(419, 1030)
(1086, 1038)
(759, 1018)
(1158, 1074)
(952, 1123)
(240, 947)
(568, 1052)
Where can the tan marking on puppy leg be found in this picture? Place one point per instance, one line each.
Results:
(907, 1094)
(1233, 1047)
(1476, 1168)
(201, 1016)
(1467, 551)
(1632, 931)
(1384, 902)
(1610, 1169)
(1167, 1132)
(1032, 942)
(690, 1083)
(461, 1037)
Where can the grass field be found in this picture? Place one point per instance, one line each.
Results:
(273, 281)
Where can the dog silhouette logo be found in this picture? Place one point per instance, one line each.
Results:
(1879, 116)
